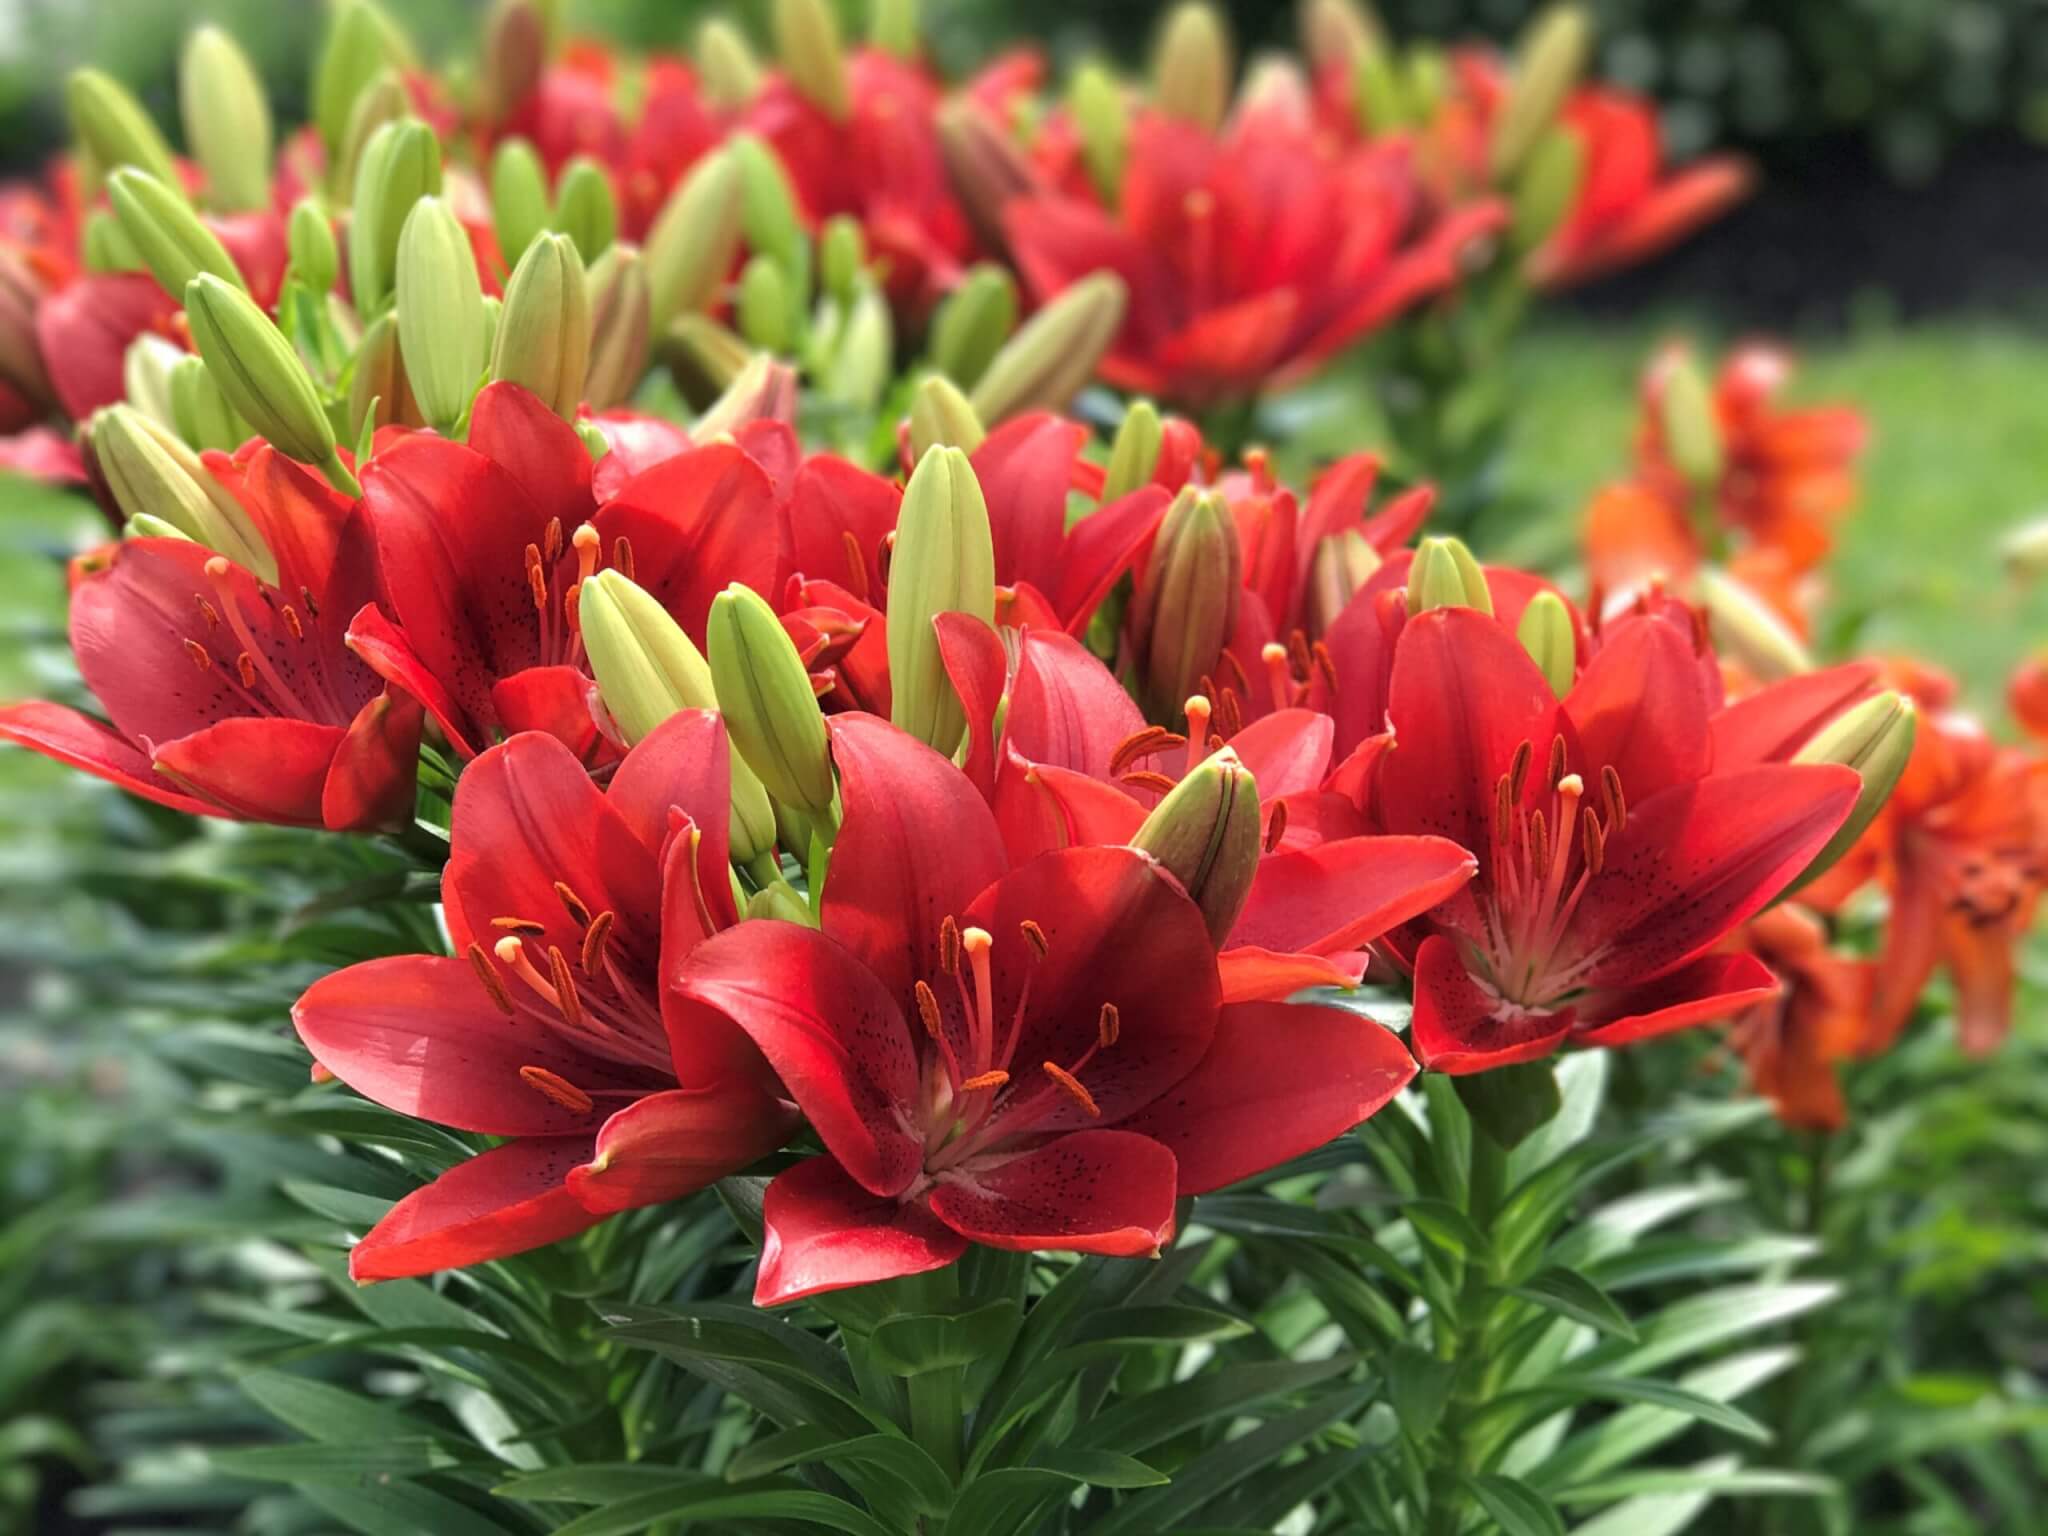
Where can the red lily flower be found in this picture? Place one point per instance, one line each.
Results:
(482, 546)
(1793, 1043)
(1028, 1059)
(1613, 852)
(229, 695)
(568, 906)
(1251, 256)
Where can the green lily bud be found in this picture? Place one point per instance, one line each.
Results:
(619, 330)
(519, 197)
(262, 377)
(986, 167)
(379, 393)
(1055, 353)
(146, 369)
(315, 258)
(762, 307)
(201, 412)
(691, 246)
(1547, 188)
(842, 256)
(361, 43)
(115, 129)
(161, 225)
(973, 322)
(1445, 575)
(152, 474)
(807, 41)
(1685, 411)
(401, 164)
(1548, 63)
(944, 563)
(384, 101)
(1546, 634)
(105, 247)
(1206, 835)
(764, 692)
(440, 313)
(1134, 452)
(1745, 629)
(778, 902)
(1428, 82)
(1341, 564)
(1381, 104)
(647, 669)
(769, 220)
(862, 362)
(892, 27)
(705, 358)
(2024, 551)
(544, 330)
(585, 209)
(941, 417)
(762, 389)
(1192, 68)
(727, 70)
(227, 121)
(1333, 30)
(1095, 101)
(147, 525)
(1876, 739)
(514, 54)
(1186, 607)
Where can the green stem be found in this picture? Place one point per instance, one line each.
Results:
(937, 1402)
(1486, 1187)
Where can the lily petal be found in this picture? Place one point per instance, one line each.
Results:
(825, 1233)
(1091, 1192)
(509, 1200)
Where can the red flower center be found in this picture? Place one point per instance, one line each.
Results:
(291, 686)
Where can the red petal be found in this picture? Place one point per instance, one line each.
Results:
(1459, 1026)
(542, 452)
(1253, 975)
(696, 524)
(85, 743)
(1279, 1080)
(262, 770)
(1101, 548)
(1288, 751)
(830, 500)
(672, 1144)
(1711, 987)
(1091, 1192)
(1773, 723)
(83, 332)
(1025, 467)
(1341, 896)
(383, 647)
(556, 701)
(1066, 708)
(825, 1233)
(684, 764)
(977, 665)
(1641, 709)
(1041, 808)
(371, 778)
(506, 1201)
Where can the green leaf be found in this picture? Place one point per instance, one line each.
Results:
(346, 1464)
(1167, 1324)
(1510, 1104)
(717, 1501)
(1101, 1469)
(804, 1444)
(1443, 1224)
(598, 1483)
(400, 1509)
(1515, 1507)
(1717, 1478)
(1419, 1385)
(1635, 1431)
(1574, 1296)
(1638, 1389)
(911, 1346)
(1139, 1423)
(1660, 1261)
(328, 1413)
(1007, 1500)
(1700, 1322)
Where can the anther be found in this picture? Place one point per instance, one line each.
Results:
(245, 664)
(551, 541)
(536, 582)
(1325, 667)
(983, 1080)
(1145, 778)
(1297, 653)
(885, 557)
(207, 612)
(928, 1008)
(1594, 842)
(1034, 936)
(622, 556)
(594, 941)
(518, 925)
(312, 608)
(1539, 840)
(856, 565)
(576, 908)
(1518, 771)
(949, 947)
(1237, 679)
(201, 657)
(556, 1089)
(1276, 825)
(1073, 1089)
(1229, 713)
(1108, 1025)
(1617, 806)
(291, 622)
(565, 986)
(1152, 739)
(493, 983)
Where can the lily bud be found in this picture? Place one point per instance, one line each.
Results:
(764, 692)
(2024, 551)
(1134, 452)
(1095, 101)
(227, 121)
(262, 376)
(940, 416)
(384, 100)
(360, 44)
(1206, 835)
(21, 357)
(544, 330)
(314, 258)
(440, 313)
(973, 322)
(165, 231)
(892, 27)
(769, 218)
(647, 669)
(726, 67)
(705, 358)
(763, 305)
(1445, 575)
(1056, 352)
(1875, 738)
(519, 197)
(514, 54)
(151, 474)
(1748, 632)
(807, 41)
(1342, 563)
(944, 563)
(200, 411)
(1685, 411)
(1546, 634)
(1332, 30)
(585, 208)
(1186, 607)
(842, 256)
(379, 393)
(401, 164)
(114, 129)
(987, 169)
(1547, 188)
(778, 902)
(146, 369)
(1548, 64)
(619, 330)
(691, 246)
(761, 390)
(861, 364)
(1380, 103)
(1191, 70)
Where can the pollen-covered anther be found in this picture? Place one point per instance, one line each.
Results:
(201, 657)
(524, 925)
(566, 997)
(1145, 778)
(984, 1080)
(1141, 744)
(290, 615)
(1594, 841)
(1557, 762)
(557, 1089)
(1325, 665)
(1276, 825)
(856, 565)
(949, 946)
(595, 940)
(245, 665)
(1617, 804)
(622, 556)
(1034, 936)
(576, 909)
(208, 614)
(551, 541)
(1071, 1086)
(1108, 1025)
(1518, 771)
(928, 1008)
(493, 983)
(536, 579)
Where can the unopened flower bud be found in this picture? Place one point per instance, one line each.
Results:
(1331, 32)
(865, 356)
(892, 27)
(940, 416)
(726, 67)
(1192, 69)
(1548, 63)
(691, 246)
(647, 669)
(1134, 452)
(146, 369)
(765, 694)
(586, 210)
(762, 306)
(165, 231)
(972, 323)
(379, 394)
(1547, 188)
(1206, 835)
(104, 248)
(114, 129)
(1685, 413)
(544, 330)
(808, 44)
(1445, 575)
(262, 376)
(199, 410)
(619, 328)
(1056, 351)
(227, 121)
(1185, 609)
(1095, 101)
(361, 44)
(778, 902)
(440, 313)
(763, 389)
(1875, 738)
(315, 259)
(770, 220)
(150, 473)
(1380, 103)
(519, 197)
(842, 256)
(944, 563)
(987, 169)
(1747, 631)
(1547, 634)
(384, 101)
(704, 357)
(21, 357)
(515, 53)
(401, 164)
(1341, 563)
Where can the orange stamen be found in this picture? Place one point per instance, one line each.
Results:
(622, 556)
(594, 942)
(1034, 936)
(576, 908)
(928, 1008)
(1108, 1025)
(985, 1080)
(245, 664)
(201, 657)
(949, 947)
(1071, 1085)
(565, 987)
(493, 983)
(1276, 825)
(1144, 778)
(518, 925)
(557, 1089)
